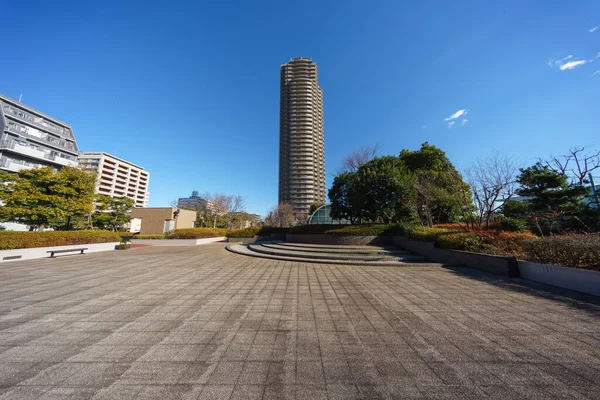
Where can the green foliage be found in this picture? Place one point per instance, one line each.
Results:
(42, 196)
(510, 224)
(516, 209)
(150, 237)
(421, 184)
(10, 240)
(458, 241)
(380, 190)
(196, 233)
(441, 194)
(388, 190)
(577, 251)
(255, 231)
(346, 200)
(427, 234)
(553, 206)
(352, 230)
(112, 213)
(244, 233)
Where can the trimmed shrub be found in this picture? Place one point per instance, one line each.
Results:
(255, 231)
(151, 237)
(244, 233)
(426, 234)
(10, 240)
(196, 233)
(577, 251)
(458, 241)
(353, 230)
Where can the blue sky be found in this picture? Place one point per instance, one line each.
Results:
(190, 90)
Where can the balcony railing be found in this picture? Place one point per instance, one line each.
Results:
(46, 138)
(37, 121)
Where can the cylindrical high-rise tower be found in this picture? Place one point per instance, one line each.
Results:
(301, 138)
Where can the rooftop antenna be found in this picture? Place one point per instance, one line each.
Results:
(20, 97)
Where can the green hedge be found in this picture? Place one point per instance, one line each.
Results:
(157, 236)
(354, 230)
(10, 240)
(255, 231)
(196, 233)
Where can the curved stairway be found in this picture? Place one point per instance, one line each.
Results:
(331, 254)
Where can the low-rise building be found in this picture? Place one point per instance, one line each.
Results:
(117, 177)
(157, 220)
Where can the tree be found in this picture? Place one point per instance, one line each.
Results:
(553, 204)
(493, 182)
(233, 206)
(388, 188)
(281, 216)
(346, 201)
(354, 160)
(112, 213)
(442, 195)
(577, 162)
(42, 196)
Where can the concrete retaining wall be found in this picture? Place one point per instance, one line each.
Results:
(500, 265)
(40, 252)
(582, 280)
(178, 242)
(338, 240)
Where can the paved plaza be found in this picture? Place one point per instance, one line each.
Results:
(203, 323)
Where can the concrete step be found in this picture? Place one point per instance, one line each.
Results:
(364, 251)
(404, 257)
(243, 249)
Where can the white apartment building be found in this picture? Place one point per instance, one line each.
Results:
(32, 139)
(117, 177)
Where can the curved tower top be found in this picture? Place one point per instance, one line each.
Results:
(301, 136)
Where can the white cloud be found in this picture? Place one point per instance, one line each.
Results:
(572, 64)
(464, 121)
(596, 73)
(593, 29)
(456, 115)
(451, 124)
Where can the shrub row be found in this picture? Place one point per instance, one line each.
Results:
(196, 233)
(10, 240)
(354, 230)
(577, 251)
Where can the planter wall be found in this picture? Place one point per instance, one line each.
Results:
(178, 242)
(582, 280)
(40, 252)
(500, 265)
(255, 239)
(338, 239)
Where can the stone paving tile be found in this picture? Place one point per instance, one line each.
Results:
(202, 323)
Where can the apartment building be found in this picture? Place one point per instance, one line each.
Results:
(301, 137)
(32, 139)
(197, 203)
(117, 177)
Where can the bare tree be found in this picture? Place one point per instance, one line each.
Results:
(357, 158)
(578, 164)
(281, 216)
(233, 206)
(493, 182)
